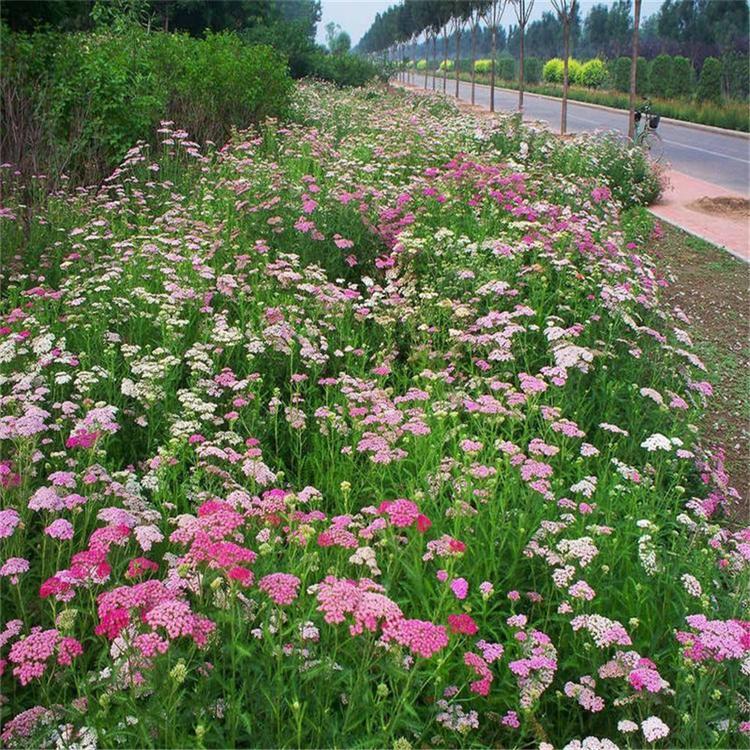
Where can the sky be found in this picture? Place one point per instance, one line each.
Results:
(356, 16)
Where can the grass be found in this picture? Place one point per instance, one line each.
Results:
(712, 287)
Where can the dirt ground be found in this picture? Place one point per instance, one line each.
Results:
(729, 206)
(713, 289)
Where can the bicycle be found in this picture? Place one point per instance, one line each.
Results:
(646, 137)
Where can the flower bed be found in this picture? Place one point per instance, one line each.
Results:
(368, 430)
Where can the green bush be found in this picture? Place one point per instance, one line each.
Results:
(79, 101)
(446, 65)
(342, 69)
(735, 74)
(532, 69)
(506, 68)
(575, 70)
(683, 76)
(553, 70)
(219, 82)
(621, 75)
(483, 66)
(593, 73)
(709, 84)
(422, 64)
(662, 77)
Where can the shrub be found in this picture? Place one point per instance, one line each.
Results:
(593, 73)
(709, 84)
(219, 82)
(683, 76)
(506, 68)
(422, 64)
(446, 65)
(342, 69)
(621, 74)
(575, 70)
(79, 101)
(661, 76)
(532, 69)
(553, 70)
(735, 75)
(483, 66)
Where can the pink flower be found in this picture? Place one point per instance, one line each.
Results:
(9, 520)
(60, 529)
(402, 513)
(282, 588)
(463, 624)
(421, 637)
(460, 588)
(14, 567)
(482, 685)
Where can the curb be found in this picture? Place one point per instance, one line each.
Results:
(726, 249)
(669, 120)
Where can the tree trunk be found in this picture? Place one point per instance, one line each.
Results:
(566, 53)
(426, 57)
(434, 57)
(522, 30)
(458, 56)
(473, 59)
(445, 60)
(634, 67)
(493, 51)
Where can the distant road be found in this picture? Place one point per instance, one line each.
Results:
(721, 159)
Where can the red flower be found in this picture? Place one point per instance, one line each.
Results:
(423, 523)
(462, 624)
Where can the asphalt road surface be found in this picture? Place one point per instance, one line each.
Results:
(721, 159)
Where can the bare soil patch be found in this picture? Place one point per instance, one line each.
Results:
(726, 205)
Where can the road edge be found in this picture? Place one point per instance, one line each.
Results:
(670, 120)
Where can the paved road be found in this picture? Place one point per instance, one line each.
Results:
(721, 159)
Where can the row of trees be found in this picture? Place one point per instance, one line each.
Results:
(397, 31)
(695, 29)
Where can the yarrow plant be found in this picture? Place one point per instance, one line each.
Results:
(365, 428)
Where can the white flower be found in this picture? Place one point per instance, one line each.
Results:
(655, 442)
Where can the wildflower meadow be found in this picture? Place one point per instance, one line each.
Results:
(367, 429)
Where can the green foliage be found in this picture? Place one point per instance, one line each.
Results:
(506, 68)
(575, 70)
(621, 74)
(593, 73)
(553, 70)
(422, 64)
(446, 65)
(662, 76)
(532, 69)
(683, 76)
(735, 73)
(483, 66)
(94, 95)
(709, 83)
(342, 69)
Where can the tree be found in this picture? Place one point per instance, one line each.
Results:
(523, 10)
(565, 10)
(478, 7)
(338, 41)
(493, 12)
(634, 68)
